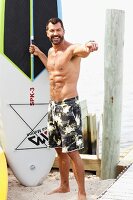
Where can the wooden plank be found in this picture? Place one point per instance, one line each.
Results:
(125, 162)
(91, 163)
(92, 118)
(85, 129)
(89, 130)
(122, 187)
(84, 109)
(86, 137)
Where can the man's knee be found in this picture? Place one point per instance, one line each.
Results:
(74, 154)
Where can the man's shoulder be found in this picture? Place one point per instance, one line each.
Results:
(72, 46)
(50, 50)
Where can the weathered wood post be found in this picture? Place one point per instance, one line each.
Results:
(113, 77)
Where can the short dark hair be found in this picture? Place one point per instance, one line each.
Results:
(54, 21)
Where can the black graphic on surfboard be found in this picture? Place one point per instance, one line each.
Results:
(17, 32)
(35, 136)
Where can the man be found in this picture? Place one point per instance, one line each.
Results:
(64, 114)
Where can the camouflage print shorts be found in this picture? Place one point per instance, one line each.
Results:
(64, 125)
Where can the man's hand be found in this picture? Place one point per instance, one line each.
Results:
(91, 46)
(33, 49)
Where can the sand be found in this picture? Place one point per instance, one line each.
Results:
(94, 187)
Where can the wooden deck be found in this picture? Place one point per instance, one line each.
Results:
(91, 163)
(122, 189)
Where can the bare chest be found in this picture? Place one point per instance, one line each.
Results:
(56, 63)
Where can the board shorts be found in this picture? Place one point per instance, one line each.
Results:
(65, 125)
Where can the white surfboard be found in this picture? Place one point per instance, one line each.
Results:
(24, 91)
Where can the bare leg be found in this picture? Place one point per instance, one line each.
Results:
(64, 166)
(79, 173)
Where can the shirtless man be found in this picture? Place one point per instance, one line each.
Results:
(64, 114)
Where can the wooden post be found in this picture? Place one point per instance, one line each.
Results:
(113, 76)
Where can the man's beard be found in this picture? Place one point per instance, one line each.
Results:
(56, 40)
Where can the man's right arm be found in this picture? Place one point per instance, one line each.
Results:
(33, 49)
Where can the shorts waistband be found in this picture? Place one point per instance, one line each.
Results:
(66, 100)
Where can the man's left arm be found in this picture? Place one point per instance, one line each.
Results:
(85, 49)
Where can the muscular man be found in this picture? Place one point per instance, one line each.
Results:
(64, 114)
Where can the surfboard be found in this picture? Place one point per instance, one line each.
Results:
(3, 176)
(24, 88)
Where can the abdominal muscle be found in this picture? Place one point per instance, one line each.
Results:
(62, 88)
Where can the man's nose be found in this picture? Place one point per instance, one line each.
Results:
(55, 32)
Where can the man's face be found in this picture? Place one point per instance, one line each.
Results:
(55, 33)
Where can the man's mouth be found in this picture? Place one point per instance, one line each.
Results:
(55, 38)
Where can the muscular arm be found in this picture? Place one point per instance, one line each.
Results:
(85, 49)
(33, 49)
